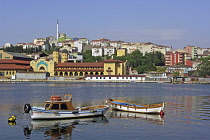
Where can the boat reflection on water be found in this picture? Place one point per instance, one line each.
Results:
(59, 128)
(155, 119)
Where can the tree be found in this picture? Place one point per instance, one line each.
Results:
(176, 74)
(88, 56)
(203, 69)
(140, 69)
(98, 58)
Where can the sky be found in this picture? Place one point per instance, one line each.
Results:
(175, 23)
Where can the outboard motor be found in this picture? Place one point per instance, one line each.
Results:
(27, 108)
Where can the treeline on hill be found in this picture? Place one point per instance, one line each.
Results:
(141, 63)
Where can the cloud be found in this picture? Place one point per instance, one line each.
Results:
(163, 34)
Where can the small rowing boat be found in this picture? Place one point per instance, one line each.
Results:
(132, 107)
(58, 108)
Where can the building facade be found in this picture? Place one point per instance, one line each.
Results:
(11, 63)
(60, 67)
(174, 58)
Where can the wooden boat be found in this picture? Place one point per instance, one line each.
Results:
(132, 107)
(58, 108)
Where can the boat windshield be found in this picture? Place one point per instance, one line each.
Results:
(47, 105)
(55, 106)
(64, 106)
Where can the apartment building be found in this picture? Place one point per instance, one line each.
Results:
(173, 58)
(97, 51)
(100, 42)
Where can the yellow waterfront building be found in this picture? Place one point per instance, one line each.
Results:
(59, 66)
(11, 63)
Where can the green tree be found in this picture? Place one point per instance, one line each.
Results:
(140, 69)
(176, 74)
(203, 69)
(88, 56)
(98, 58)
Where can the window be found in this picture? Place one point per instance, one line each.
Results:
(55, 106)
(0, 55)
(47, 105)
(64, 106)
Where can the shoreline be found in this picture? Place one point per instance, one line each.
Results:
(82, 81)
(102, 81)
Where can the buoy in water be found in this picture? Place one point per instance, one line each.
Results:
(12, 119)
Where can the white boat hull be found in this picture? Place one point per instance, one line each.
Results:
(140, 110)
(41, 113)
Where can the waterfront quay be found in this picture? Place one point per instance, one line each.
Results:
(81, 81)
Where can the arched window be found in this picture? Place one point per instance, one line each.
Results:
(81, 74)
(66, 74)
(75, 74)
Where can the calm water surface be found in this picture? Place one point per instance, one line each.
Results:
(187, 111)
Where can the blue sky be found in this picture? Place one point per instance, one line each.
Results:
(175, 23)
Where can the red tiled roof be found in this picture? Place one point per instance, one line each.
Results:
(81, 65)
(13, 67)
(112, 61)
(12, 61)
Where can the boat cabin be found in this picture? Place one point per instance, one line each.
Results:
(57, 103)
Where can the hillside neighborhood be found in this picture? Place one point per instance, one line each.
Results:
(79, 58)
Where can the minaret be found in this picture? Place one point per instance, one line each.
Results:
(57, 29)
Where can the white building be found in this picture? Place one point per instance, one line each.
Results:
(97, 51)
(146, 47)
(8, 45)
(100, 42)
(109, 51)
(39, 41)
(29, 45)
(116, 44)
(122, 78)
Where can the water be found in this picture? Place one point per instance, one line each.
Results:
(187, 111)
